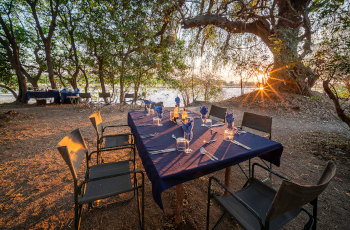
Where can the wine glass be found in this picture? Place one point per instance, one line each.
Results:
(188, 137)
(204, 117)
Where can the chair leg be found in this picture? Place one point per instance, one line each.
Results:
(208, 203)
(314, 210)
(78, 209)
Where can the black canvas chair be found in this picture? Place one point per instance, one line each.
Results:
(218, 112)
(115, 142)
(157, 104)
(85, 100)
(260, 123)
(104, 101)
(102, 180)
(258, 206)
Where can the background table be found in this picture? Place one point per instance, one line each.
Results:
(168, 169)
(41, 94)
(64, 97)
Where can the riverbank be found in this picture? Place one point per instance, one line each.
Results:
(36, 187)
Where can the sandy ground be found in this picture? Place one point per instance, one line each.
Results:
(36, 190)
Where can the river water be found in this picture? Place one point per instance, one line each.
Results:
(167, 96)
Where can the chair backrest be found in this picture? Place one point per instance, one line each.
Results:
(157, 104)
(85, 95)
(291, 195)
(218, 112)
(73, 148)
(96, 121)
(129, 95)
(257, 122)
(105, 96)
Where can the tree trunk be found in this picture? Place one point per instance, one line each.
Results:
(50, 66)
(46, 40)
(100, 70)
(291, 15)
(33, 80)
(335, 100)
(121, 82)
(86, 80)
(13, 57)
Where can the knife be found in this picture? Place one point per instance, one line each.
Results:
(240, 144)
(143, 125)
(162, 151)
(217, 125)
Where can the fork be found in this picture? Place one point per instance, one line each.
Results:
(203, 151)
(207, 142)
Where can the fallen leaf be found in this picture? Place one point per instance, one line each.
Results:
(316, 166)
(338, 179)
(348, 194)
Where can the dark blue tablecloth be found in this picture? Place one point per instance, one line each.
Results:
(168, 169)
(65, 95)
(43, 94)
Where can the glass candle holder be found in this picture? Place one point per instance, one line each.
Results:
(181, 144)
(208, 122)
(228, 134)
(156, 121)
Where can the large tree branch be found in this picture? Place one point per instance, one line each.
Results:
(335, 100)
(254, 27)
(9, 89)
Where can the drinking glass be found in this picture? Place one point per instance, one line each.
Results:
(228, 134)
(151, 111)
(148, 111)
(156, 121)
(208, 122)
(171, 115)
(188, 138)
(180, 144)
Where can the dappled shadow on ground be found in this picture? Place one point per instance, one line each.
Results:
(37, 187)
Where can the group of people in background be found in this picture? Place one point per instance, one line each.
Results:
(64, 90)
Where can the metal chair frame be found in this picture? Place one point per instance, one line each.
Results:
(272, 214)
(260, 123)
(86, 102)
(97, 123)
(103, 104)
(80, 189)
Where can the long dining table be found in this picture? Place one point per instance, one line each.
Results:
(169, 169)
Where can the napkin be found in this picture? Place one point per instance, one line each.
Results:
(177, 100)
(159, 110)
(148, 103)
(229, 119)
(187, 128)
(204, 111)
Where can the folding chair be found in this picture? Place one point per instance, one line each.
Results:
(102, 180)
(258, 206)
(116, 142)
(157, 104)
(85, 100)
(260, 123)
(218, 112)
(104, 99)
